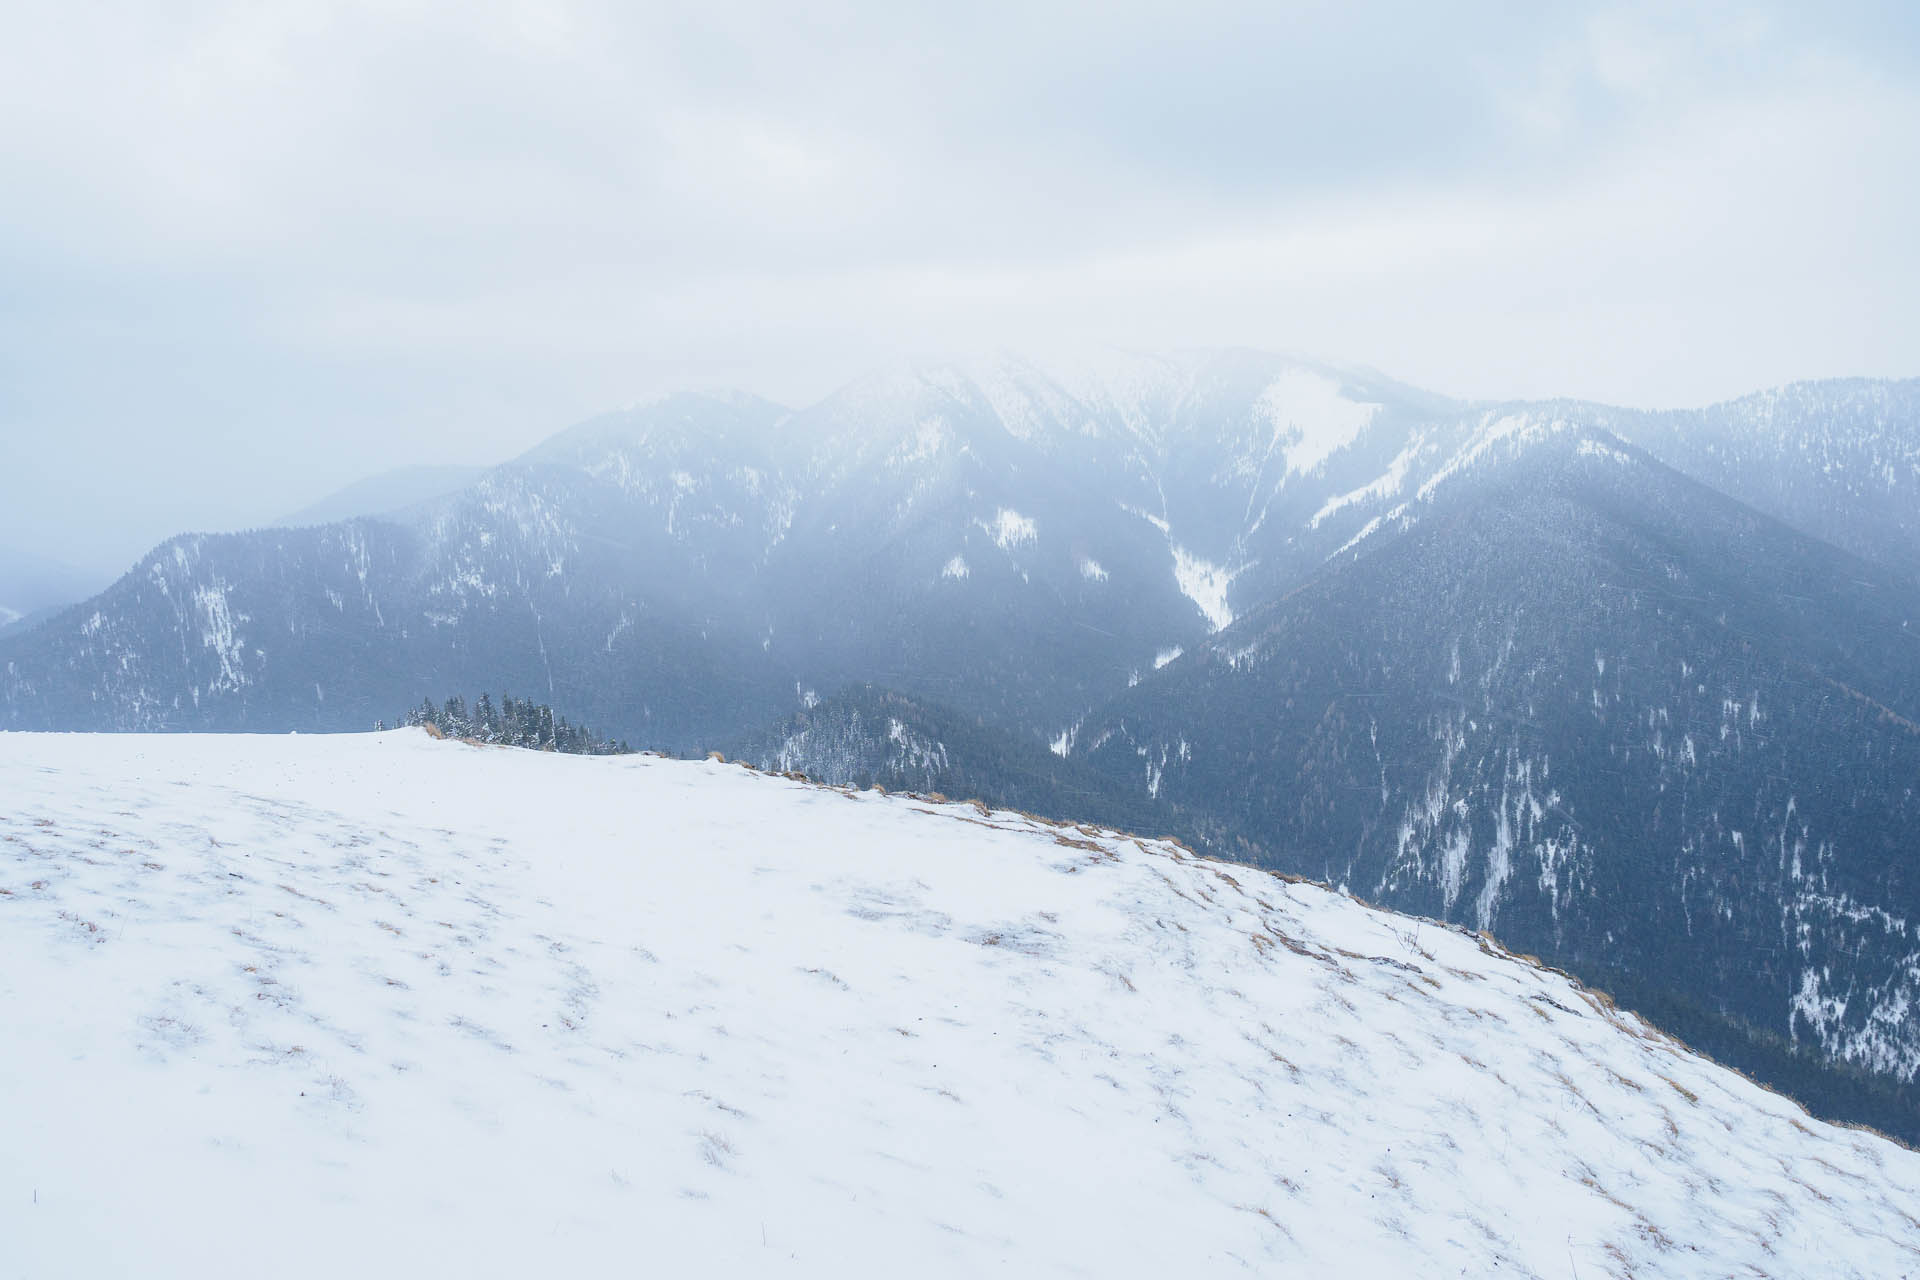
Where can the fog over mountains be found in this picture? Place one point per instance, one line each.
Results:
(385, 494)
(34, 585)
(1637, 691)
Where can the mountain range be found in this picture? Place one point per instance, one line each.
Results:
(1636, 691)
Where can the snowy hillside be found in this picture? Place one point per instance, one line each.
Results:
(389, 1006)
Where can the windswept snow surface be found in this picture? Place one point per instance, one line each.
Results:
(387, 1006)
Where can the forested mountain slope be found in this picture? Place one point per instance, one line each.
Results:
(1600, 710)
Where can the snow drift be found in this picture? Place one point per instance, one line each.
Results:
(391, 1006)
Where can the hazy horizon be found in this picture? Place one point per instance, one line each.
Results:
(254, 256)
(310, 503)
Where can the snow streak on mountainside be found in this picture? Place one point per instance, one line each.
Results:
(380, 1005)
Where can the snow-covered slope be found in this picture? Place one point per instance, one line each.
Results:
(388, 1006)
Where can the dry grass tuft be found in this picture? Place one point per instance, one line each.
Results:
(1691, 1097)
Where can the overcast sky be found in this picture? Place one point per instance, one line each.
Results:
(252, 252)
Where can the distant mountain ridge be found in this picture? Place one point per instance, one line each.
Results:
(384, 494)
(981, 505)
(1506, 664)
(34, 585)
(1840, 459)
(1133, 515)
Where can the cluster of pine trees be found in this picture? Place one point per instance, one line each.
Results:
(515, 722)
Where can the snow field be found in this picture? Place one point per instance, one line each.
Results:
(379, 1003)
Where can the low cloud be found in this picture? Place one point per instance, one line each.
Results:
(257, 251)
